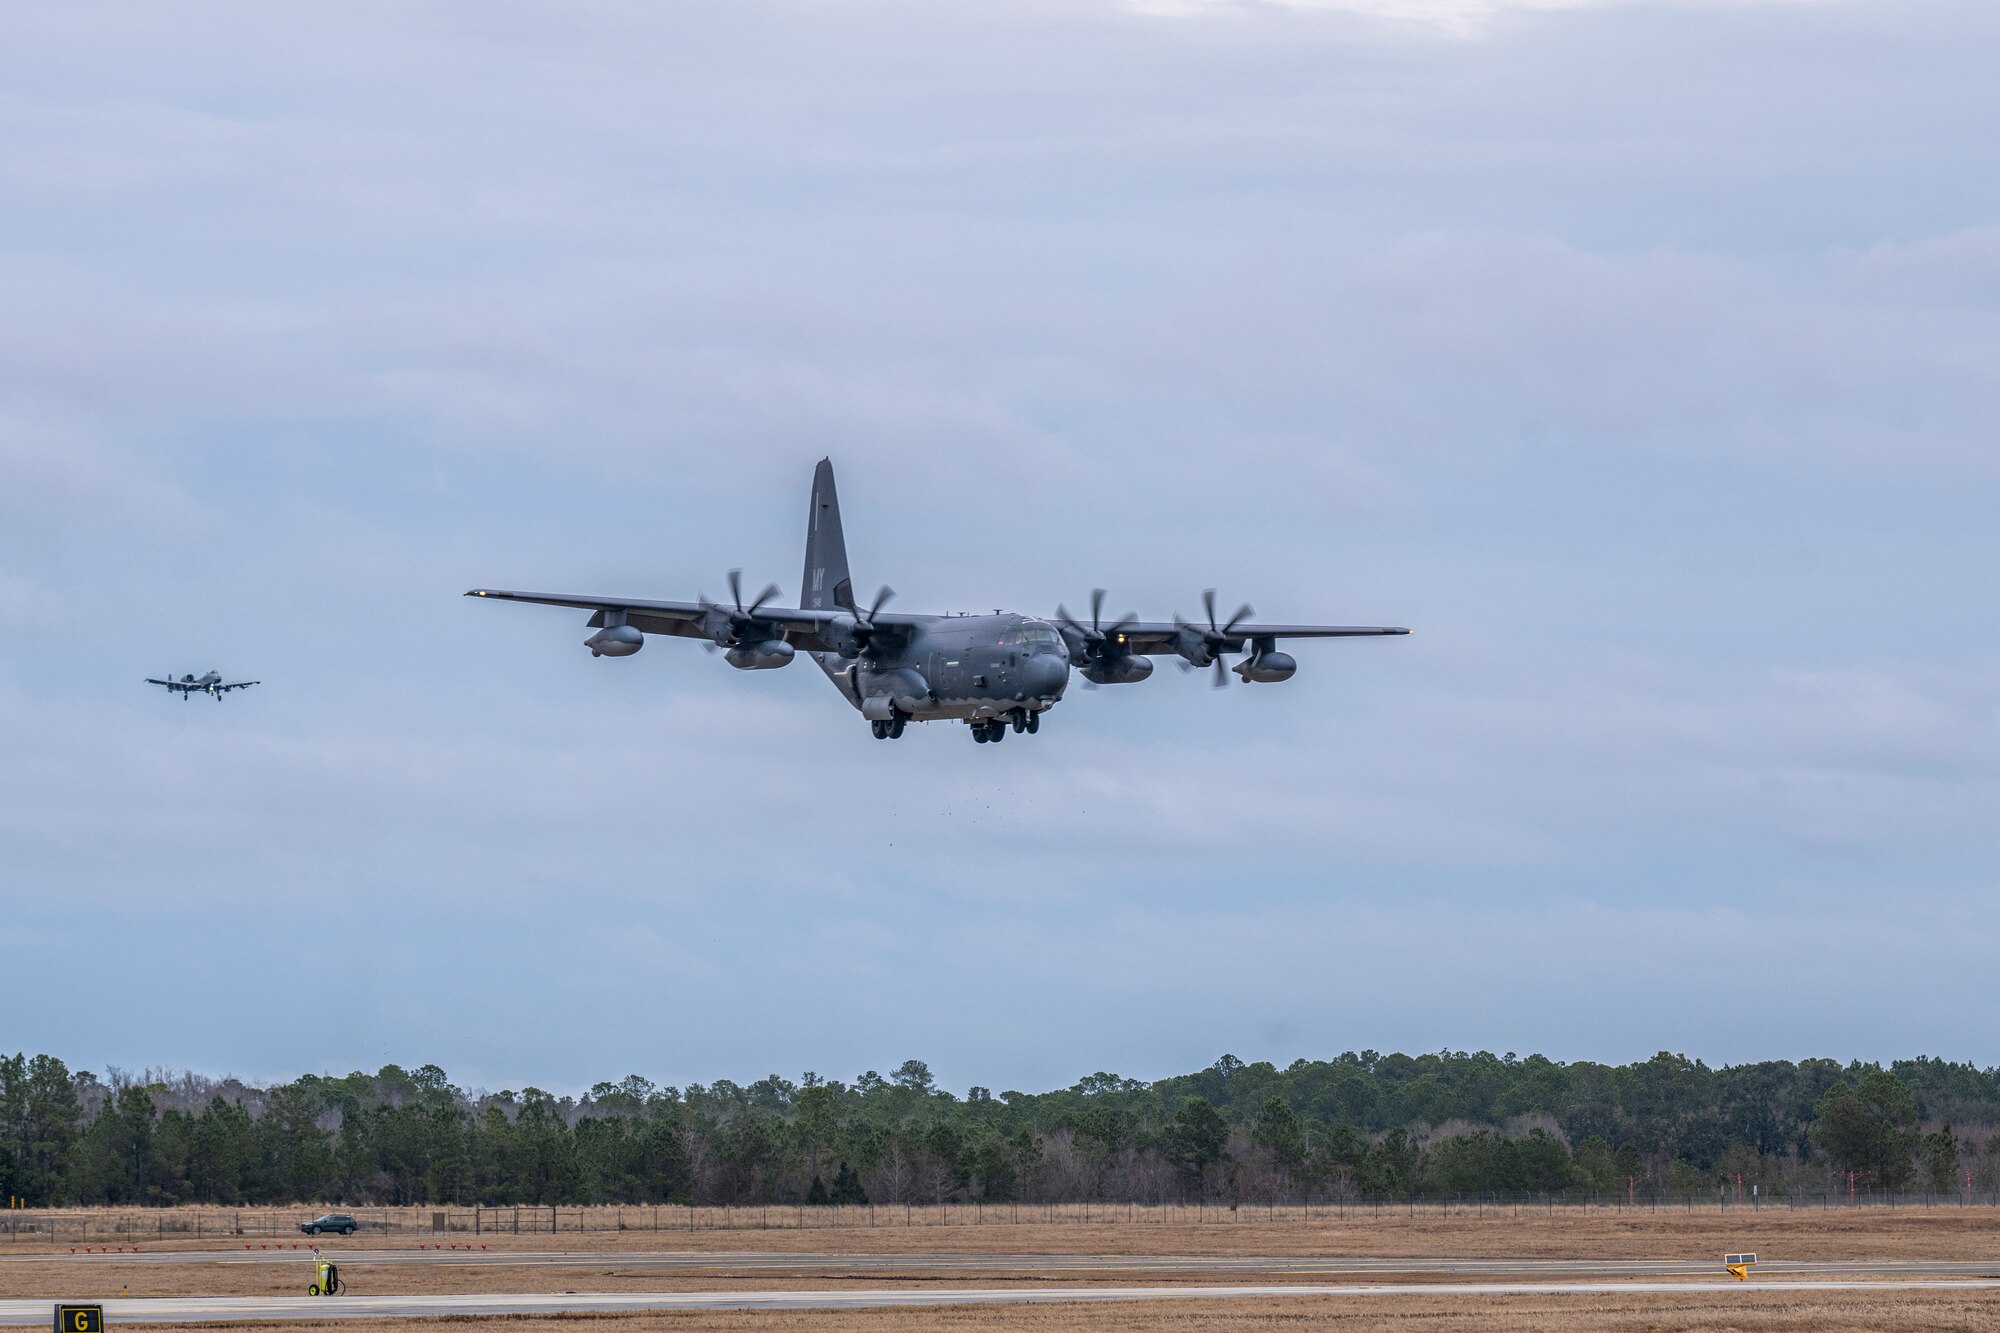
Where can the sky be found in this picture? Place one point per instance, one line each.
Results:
(1638, 355)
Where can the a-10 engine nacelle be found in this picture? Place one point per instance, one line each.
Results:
(1267, 667)
(615, 641)
(760, 656)
(1129, 670)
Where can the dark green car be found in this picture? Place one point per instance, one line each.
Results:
(339, 1222)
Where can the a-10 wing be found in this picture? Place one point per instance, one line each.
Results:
(237, 685)
(799, 627)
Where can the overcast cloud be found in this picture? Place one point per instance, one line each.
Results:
(1641, 356)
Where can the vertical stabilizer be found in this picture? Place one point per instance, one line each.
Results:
(827, 584)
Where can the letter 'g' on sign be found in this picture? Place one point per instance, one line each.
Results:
(79, 1319)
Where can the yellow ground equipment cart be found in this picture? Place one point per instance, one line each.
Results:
(326, 1277)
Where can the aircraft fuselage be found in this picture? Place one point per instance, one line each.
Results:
(972, 668)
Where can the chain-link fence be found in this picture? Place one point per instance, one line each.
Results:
(114, 1225)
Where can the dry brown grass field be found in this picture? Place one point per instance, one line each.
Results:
(1583, 1233)
(40, 1268)
(1748, 1311)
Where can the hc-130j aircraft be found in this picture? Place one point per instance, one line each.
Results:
(210, 684)
(990, 671)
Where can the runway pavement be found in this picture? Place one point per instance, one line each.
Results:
(931, 1263)
(190, 1309)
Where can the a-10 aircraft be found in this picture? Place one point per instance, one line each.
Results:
(991, 672)
(210, 684)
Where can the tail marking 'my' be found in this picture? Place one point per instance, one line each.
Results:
(827, 584)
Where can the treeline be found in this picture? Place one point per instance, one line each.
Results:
(1361, 1126)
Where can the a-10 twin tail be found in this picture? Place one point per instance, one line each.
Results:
(991, 672)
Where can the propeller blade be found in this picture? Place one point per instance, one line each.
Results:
(1208, 602)
(770, 591)
(1243, 613)
(881, 600)
(736, 589)
(1096, 607)
(1221, 672)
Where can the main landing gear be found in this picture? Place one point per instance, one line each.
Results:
(890, 730)
(994, 730)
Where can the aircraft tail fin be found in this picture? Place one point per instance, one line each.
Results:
(827, 584)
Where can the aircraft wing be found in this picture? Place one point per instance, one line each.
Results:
(237, 685)
(799, 627)
(1148, 637)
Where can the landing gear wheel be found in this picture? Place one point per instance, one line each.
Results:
(896, 726)
(979, 732)
(1034, 723)
(997, 730)
(880, 730)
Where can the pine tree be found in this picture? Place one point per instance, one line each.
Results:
(847, 1186)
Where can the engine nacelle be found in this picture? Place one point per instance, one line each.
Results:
(1267, 667)
(615, 641)
(848, 635)
(887, 693)
(1119, 670)
(761, 656)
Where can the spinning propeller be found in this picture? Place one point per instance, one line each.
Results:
(861, 633)
(725, 624)
(1102, 647)
(1201, 646)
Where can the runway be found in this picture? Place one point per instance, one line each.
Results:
(194, 1309)
(931, 1263)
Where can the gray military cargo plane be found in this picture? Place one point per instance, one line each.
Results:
(991, 672)
(210, 684)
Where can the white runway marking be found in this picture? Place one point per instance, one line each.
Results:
(186, 1309)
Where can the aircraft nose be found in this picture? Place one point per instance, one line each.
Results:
(1047, 675)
